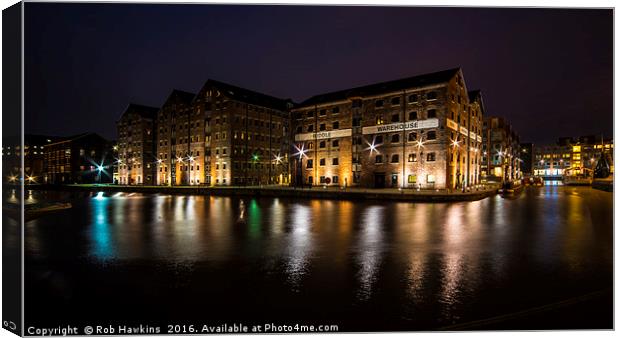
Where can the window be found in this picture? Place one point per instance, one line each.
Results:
(431, 96)
(322, 162)
(357, 122)
(335, 179)
(322, 126)
(412, 179)
(379, 103)
(309, 164)
(395, 158)
(413, 115)
(431, 135)
(310, 128)
(395, 138)
(335, 143)
(430, 178)
(379, 159)
(413, 98)
(323, 112)
(432, 113)
(335, 161)
(379, 139)
(356, 103)
(322, 144)
(335, 110)
(412, 137)
(395, 117)
(395, 101)
(412, 158)
(430, 157)
(379, 120)
(310, 114)
(322, 179)
(310, 181)
(336, 125)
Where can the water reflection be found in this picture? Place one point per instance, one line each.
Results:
(370, 245)
(299, 245)
(411, 261)
(103, 247)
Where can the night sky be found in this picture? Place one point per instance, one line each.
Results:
(548, 71)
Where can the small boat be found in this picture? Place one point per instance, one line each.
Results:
(33, 211)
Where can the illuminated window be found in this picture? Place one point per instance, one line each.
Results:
(576, 149)
(430, 178)
(412, 179)
(412, 158)
(379, 120)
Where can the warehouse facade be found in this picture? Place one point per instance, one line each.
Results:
(419, 132)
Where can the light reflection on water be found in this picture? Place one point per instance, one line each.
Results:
(432, 257)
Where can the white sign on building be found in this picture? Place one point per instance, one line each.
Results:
(323, 135)
(411, 125)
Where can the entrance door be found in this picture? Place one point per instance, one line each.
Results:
(379, 180)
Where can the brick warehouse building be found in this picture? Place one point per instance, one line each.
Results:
(418, 132)
(136, 145)
(223, 135)
(177, 132)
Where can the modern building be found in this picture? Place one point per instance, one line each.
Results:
(136, 145)
(570, 156)
(501, 151)
(417, 132)
(83, 158)
(33, 151)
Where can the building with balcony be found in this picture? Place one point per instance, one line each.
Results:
(417, 132)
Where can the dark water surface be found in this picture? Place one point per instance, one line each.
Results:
(362, 265)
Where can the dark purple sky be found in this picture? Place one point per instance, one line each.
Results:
(549, 71)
